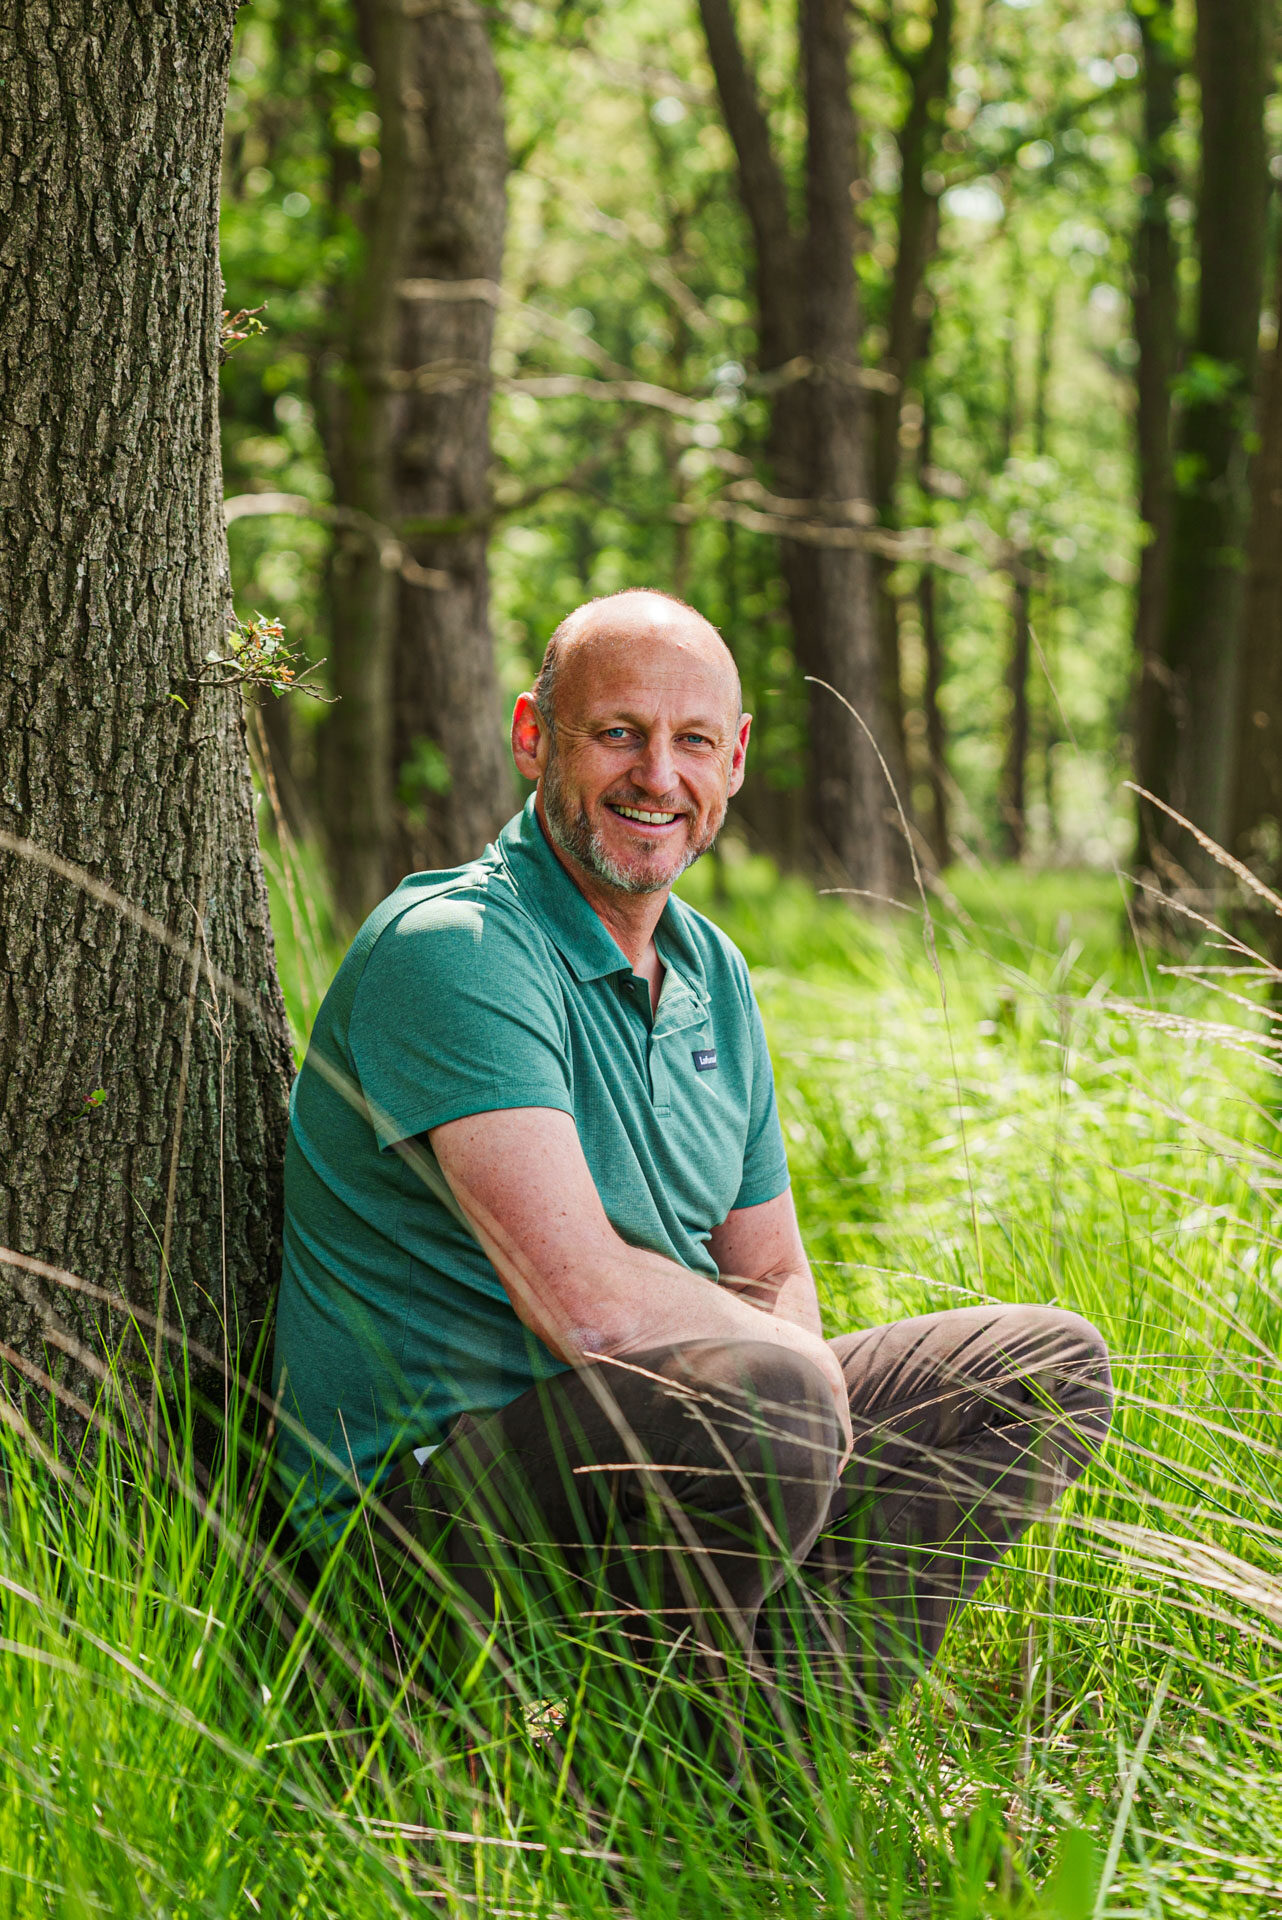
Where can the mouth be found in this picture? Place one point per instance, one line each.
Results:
(652, 817)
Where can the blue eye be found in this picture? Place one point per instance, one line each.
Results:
(616, 733)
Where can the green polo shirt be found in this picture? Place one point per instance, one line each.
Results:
(494, 985)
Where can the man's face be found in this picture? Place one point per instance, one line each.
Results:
(647, 747)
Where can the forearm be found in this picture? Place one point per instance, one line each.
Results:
(786, 1295)
(647, 1301)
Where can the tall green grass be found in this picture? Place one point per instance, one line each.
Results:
(1036, 1112)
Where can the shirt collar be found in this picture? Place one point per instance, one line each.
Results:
(546, 890)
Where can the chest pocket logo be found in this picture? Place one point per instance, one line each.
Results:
(705, 1059)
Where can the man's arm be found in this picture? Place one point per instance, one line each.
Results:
(521, 1178)
(759, 1253)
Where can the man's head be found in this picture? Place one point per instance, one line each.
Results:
(636, 712)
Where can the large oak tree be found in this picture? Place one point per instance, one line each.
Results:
(143, 1047)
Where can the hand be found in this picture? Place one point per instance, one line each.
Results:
(837, 1381)
(818, 1350)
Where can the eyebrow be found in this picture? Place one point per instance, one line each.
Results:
(694, 723)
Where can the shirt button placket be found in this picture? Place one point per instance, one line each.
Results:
(660, 1090)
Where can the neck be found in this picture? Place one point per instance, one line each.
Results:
(629, 918)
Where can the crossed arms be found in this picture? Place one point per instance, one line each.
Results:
(522, 1180)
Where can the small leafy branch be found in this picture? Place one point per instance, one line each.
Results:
(235, 327)
(256, 656)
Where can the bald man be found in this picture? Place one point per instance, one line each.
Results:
(545, 1297)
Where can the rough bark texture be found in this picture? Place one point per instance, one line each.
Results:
(807, 307)
(1208, 575)
(356, 748)
(113, 588)
(1157, 335)
(1257, 798)
(454, 783)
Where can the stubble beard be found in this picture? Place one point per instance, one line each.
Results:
(575, 836)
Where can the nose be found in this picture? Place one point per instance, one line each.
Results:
(655, 770)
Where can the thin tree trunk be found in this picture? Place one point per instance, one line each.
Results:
(807, 304)
(356, 745)
(936, 734)
(1257, 798)
(1015, 760)
(454, 783)
(163, 1186)
(917, 226)
(937, 827)
(1014, 786)
(1157, 334)
(1208, 576)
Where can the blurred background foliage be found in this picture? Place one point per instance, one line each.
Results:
(628, 394)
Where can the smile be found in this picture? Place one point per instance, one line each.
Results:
(638, 813)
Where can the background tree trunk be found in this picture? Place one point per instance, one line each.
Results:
(807, 306)
(356, 748)
(1208, 575)
(1156, 310)
(114, 589)
(927, 74)
(453, 773)
(1257, 797)
(1014, 781)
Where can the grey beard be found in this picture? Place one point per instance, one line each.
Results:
(577, 838)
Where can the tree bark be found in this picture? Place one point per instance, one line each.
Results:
(356, 741)
(936, 825)
(1155, 303)
(114, 587)
(1014, 799)
(1014, 782)
(927, 74)
(807, 307)
(454, 783)
(1208, 576)
(1257, 798)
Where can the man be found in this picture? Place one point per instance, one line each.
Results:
(544, 1285)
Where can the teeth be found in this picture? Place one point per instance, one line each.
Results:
(651, 819)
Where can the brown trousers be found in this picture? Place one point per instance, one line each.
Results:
(690, 1496)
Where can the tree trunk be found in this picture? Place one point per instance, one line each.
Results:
(1014, 784)
(937, 825)
(807, 305)
(1014, 806)
(142, 1101)
(917, 227)
(1208, 577)
(454, 784)
(936, 736)
(1257, 798)
(356, 746)
(1157, 334)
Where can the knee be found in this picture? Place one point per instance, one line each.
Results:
(774, 1406)
(1071, 1366)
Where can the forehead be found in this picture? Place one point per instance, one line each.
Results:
(648, 672)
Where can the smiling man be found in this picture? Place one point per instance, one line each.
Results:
(544, 1286)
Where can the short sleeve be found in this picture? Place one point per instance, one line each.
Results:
(765, 1164)
(458, 1012)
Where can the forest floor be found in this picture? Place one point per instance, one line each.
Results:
(1034, 1109)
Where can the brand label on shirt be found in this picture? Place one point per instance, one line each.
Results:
(705, 1059)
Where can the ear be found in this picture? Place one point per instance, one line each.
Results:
(739, 755)
(530, 738)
